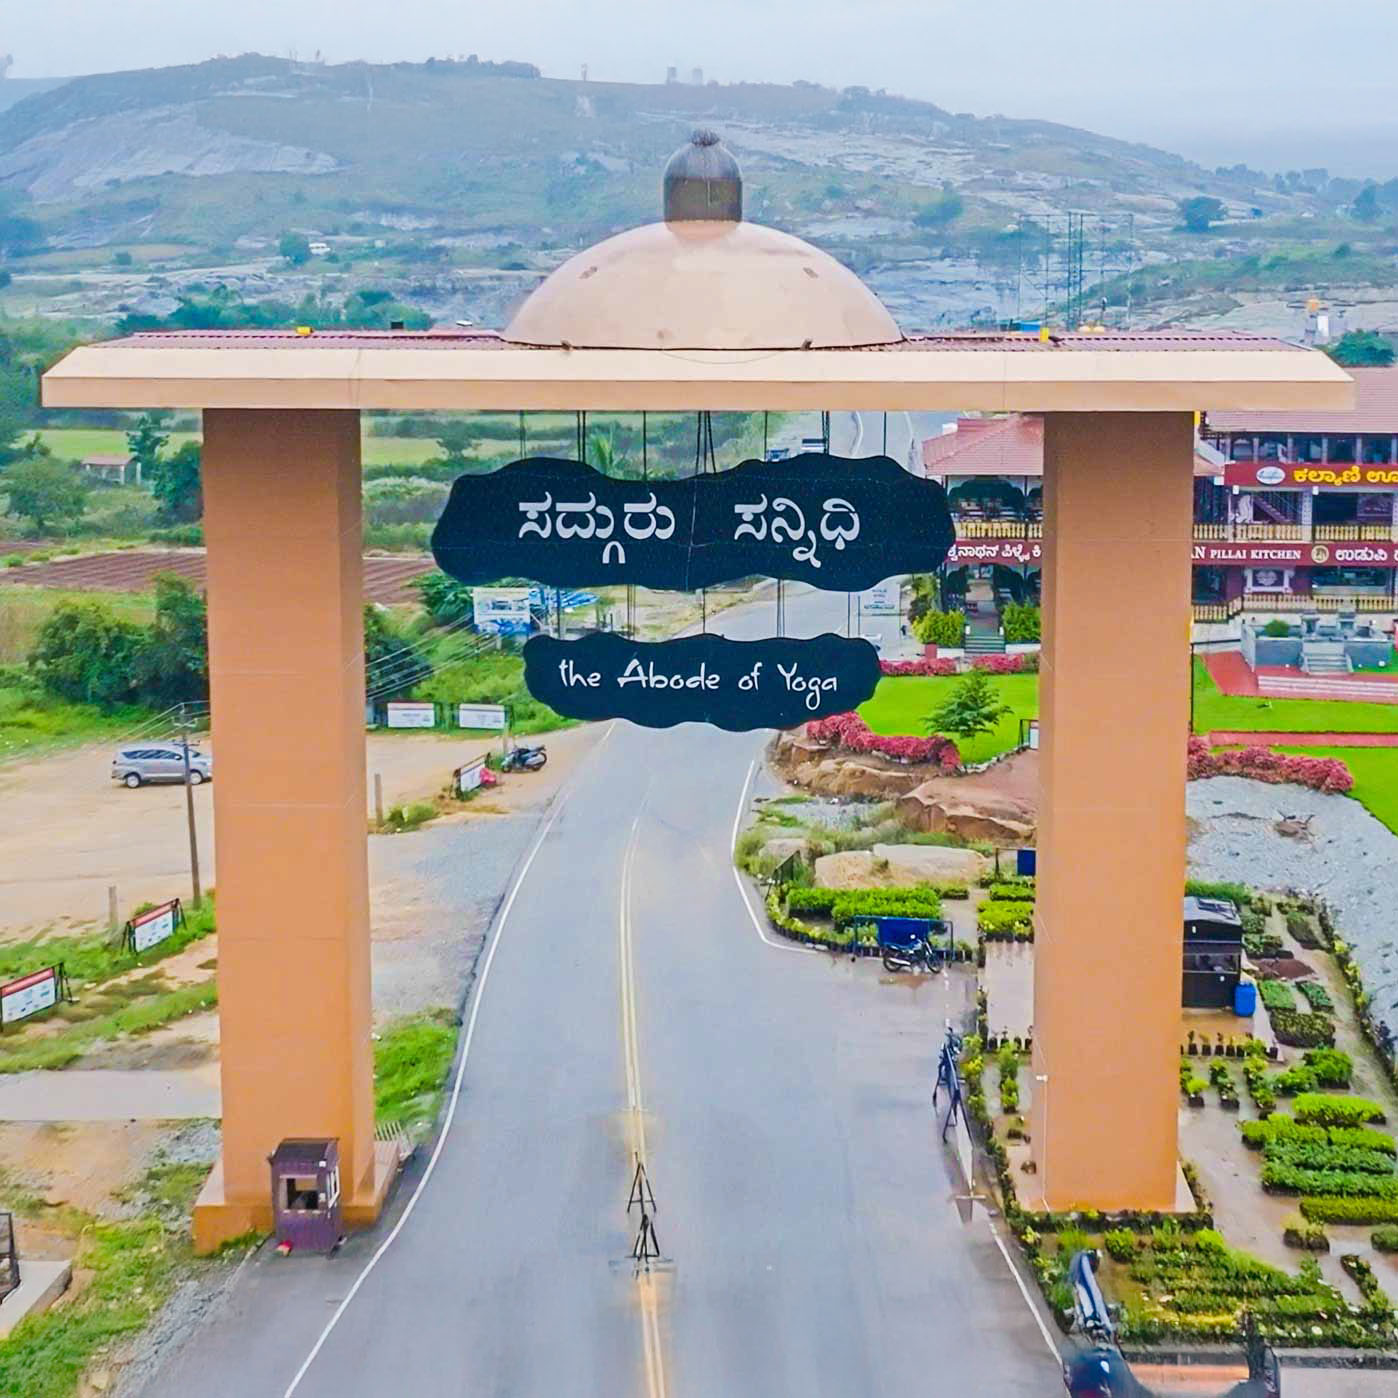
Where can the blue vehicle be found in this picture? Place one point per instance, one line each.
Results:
(1100, 1369)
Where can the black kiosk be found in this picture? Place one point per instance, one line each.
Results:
(1213, 953)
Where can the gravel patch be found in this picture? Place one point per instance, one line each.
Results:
(1346, 857)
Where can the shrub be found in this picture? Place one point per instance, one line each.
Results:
(1021, 622)
(1120, 1244)
(1236, 893)
(885, 902)
(1005, 922)
(1294, 1080)
(1323, 1110)
(1256, 1134)
(1005, 664)
(1299, 1030)
(1297, 1179)
(1332, 1067)
(850, 732)
(923, 668)
(1316, 996)
(1016, 891)
(1321, 1155)
(1276, 995)
(1299, 1232)
(1385, 1239)
(1264, 765)
(1276, 627)
(1262, 945)
(940, 628)
(1329, 1209)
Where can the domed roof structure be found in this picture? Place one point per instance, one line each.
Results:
(703, 279)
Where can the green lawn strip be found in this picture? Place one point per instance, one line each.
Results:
(412, 1057)
(60, 1049)
(1214, 710)
(1375, 778)
(900, 706)
(33, 724)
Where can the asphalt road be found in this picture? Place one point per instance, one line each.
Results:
(813, 1235)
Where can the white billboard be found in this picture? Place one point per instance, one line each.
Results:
(497, 608)
(402, 714)
(29, 995)
(481, 716)
(883, 599)
(152, 928)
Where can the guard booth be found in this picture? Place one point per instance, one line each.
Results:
(1213, 953)
(306, 1207)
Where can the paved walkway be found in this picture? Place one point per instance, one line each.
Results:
(76, 1094)
(1224, 737)
(1232, 674)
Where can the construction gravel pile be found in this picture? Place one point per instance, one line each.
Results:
(1333, 849)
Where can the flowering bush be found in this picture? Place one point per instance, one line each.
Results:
(1006, 664)
(923, 667)
(1264, 765)
(850, 732)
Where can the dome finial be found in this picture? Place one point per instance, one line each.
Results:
(703, 181)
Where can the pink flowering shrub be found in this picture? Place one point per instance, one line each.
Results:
(850, 732)
(922, 668)
(1002, 664)
(1264, 765)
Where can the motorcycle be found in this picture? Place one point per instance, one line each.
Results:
(918, 955)
(523, 759)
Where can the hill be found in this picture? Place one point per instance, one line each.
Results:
(455, 185)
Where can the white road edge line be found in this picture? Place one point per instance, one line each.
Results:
(1024, 1291)
(738, 873)
(561, 799)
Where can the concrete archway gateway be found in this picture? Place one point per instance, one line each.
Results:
(694, 314)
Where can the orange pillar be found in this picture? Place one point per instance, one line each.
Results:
(1114, 701)
(286, 657)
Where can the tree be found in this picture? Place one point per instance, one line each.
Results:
(1366, 204)
(1361, 349)
(171, 662)
(393, 664)
(1200, 211)
(146, 441)
(85, 653)
(444, 599)
(45, 492)
(176, 481)
(972, 707)
(945, 208)
(295, 247)
(455, 437)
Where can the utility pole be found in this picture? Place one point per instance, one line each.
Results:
(185, 724)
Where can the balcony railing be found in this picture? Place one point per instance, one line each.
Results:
(1217, 611)
(1203, 533)
(1318, 602)
(999, 529)
(1354, 531)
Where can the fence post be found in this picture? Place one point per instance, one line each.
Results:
(378, 797)
(113, 920)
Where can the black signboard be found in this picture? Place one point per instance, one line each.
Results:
(841, 525)
(737, 685)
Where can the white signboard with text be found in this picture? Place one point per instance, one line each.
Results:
(497, 608)
(29, 995)
(152, 927)
(402, 714)
(481, 716)
(883, 599)
(469, 777)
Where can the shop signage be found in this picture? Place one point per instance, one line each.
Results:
(1362, 553)
(1011, 551)
(504, 609)
(480, 716)
(31, 994)
(470, 777)
(401, 714)
(737, 685)
(841, 525)
(1290, 475)
(150, 928)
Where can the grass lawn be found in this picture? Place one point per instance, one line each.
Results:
(1215, 710)
(899, 706)
(1375, 778)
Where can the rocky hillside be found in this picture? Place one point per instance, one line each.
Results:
(457, 184)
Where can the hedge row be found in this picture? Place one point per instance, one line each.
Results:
(1322, 1109)
(843, 905)
(850, 732)
(1297, 1029)
(1264, 765)
(1328, 1209)
(1317, 1155)
(1346, 1184)
(1004, 922)
(1279, 1126)
(1013, 891)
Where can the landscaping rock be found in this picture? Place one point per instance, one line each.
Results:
(887, 866)
(961, 808)
(784, 846)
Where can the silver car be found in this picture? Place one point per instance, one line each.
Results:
(160, 762)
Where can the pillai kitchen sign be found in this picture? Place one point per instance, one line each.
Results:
(840, 525)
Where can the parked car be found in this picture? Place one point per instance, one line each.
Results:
(160, 762)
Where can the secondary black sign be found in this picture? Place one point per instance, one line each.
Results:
(737, 685)
(841, 525)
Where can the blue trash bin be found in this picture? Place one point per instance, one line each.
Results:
(1244, 998)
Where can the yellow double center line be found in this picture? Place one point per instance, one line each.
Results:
(635, 1110)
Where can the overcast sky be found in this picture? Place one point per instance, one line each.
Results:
(1278, 83)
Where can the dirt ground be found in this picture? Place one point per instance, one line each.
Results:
(70, 831)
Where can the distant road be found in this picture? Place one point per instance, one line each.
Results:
(863, 434)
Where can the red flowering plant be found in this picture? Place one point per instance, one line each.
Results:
(922, 668)
(1263, 765)
(850, 732)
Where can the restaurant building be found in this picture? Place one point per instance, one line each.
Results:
(1293, 511)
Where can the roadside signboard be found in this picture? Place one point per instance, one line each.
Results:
(882, 599)
(469, 777)
(501, 609)
(150, 928)
(480, 716)
(402, 714)
(31, 994)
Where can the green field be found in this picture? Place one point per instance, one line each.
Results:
(901, 705)
(75, 443)
(1214, 710)
(1375, 778)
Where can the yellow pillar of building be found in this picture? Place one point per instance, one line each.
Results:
(1114, 702)
(282, 522)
